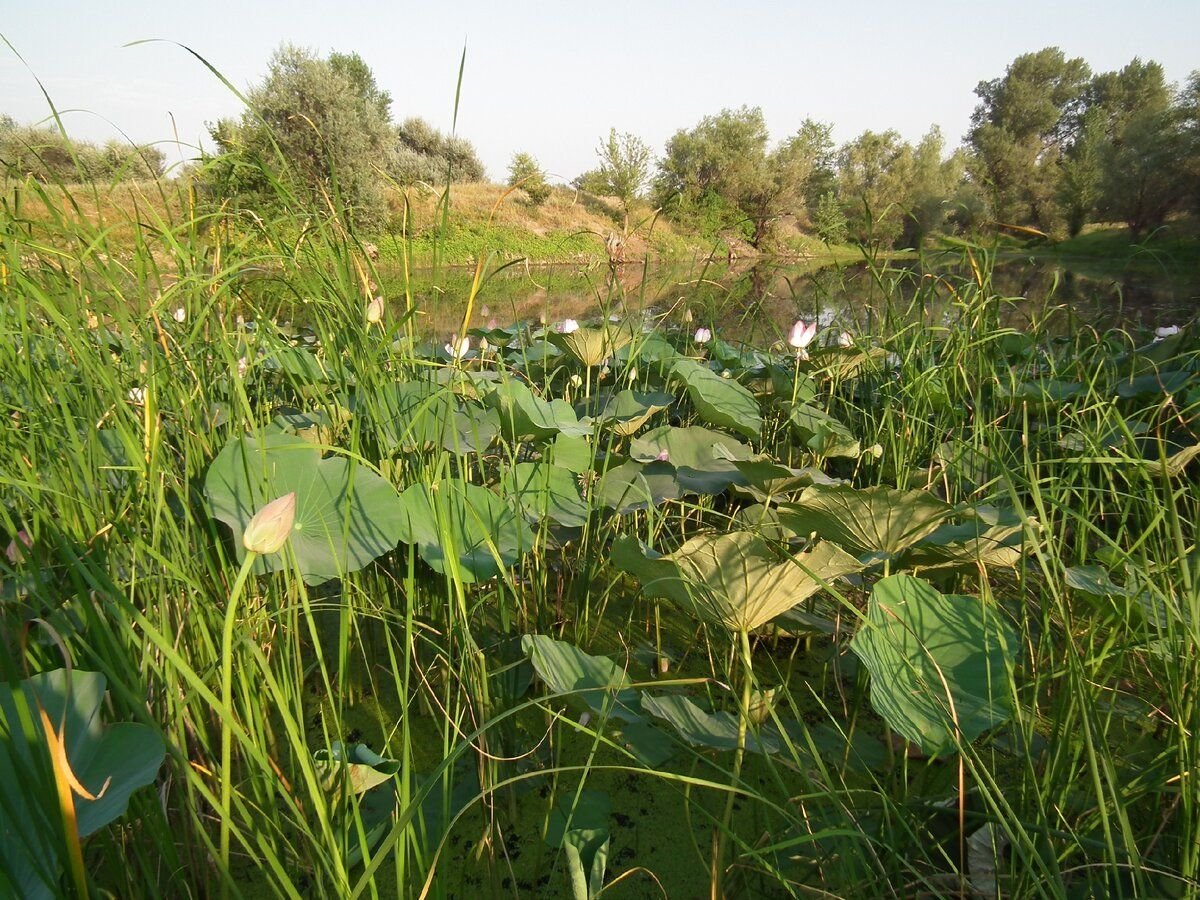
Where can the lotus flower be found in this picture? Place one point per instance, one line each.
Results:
(1166, 331)
(703, 336)
(568, 326)
(243, 365)
(802, 335)
(180, 314)
(456, 348)
(270, 527)
(375, 310)
(137, 394)
(845, 339)
(687, 316)
(484, 346)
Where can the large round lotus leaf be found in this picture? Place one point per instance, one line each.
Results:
(872, 523)
(523, 415)
(735, 580)
(625, 411)
(719, 401)
(346, 515)
(111, 763)
(968, 546)
(718, 731)
(410, 416)
(938, 663)
(821, 432)
(633, 485)
(703, 459)
(462, 529)
(768, 479)
(544, 491)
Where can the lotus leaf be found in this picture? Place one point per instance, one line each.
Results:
(938, 663)
(579, 825)
(871, 523)
(591, 346)
(626, 411)
(523, 415)
(701, 729)
(719, 401)
(821, 432)
(594, 681)
(768, 479)
(346, 515)
(632, 486)
(969, 545)
(462, 525)
(357, 767)
(545, 491)
(703, 459)
(734, 580)
(111, 763)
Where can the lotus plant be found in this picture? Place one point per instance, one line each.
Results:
(801, 336)
(568, 326)
(702, 336)
(457, 349)
(375, 310)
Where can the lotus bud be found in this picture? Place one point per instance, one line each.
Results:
(801, 334)
(137, 394)
(632, 374)
(484, 312)
(687, 317)
(268, 531)
(725, 373)
(876, 450)
(576, 381)
(568, 326)
(375, 310)
(484, 346)
(703, 335)
(542, 318)
(1166, 331)
(242, 366)
(584, 719)
(15, 552)
(664, 456)
(845, 339)
(180, 314)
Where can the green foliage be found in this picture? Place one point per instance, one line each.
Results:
(624, 167)
(421, 153)
(46, 154)
(524, 172)
(318, 127)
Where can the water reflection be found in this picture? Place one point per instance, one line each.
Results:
(758, 302)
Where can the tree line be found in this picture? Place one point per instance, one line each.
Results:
(1052, 146)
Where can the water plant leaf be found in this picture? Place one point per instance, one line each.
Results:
(1173, 381)
(525, 416)
(545, 491)
(703, 459)
(717, 731)
(872, 523)
(735, 580)
(356, 766)
(632, 486)
(969, 545)
(768, 478)
(822, 433)
(626, 411)
(579, 825)
(463, 526)
(109, 762)
(592, 345)
(938, 663)
(346, 515)
(719, 401)
(594, 681)
(410, 416)
(572, 453)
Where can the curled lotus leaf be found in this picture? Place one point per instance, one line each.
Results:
(872, 523)
(592, 345)
(735, 580)
(626, 411)
(719, 401)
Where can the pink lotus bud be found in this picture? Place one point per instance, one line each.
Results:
(703, 336)
(271, 526)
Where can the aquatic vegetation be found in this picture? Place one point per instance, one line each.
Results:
(386, 614)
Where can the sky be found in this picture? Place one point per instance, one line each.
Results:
(551, 78)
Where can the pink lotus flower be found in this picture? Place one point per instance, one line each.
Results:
(703, 336)
(802, 334)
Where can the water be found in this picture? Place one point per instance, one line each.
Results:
(757, 303)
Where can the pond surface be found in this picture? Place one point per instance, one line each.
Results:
(758, 303)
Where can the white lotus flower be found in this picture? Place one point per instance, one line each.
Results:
(137, 394)
(456, 348)
(703, 336)
(845, 339)
(1166, 331)
(568, 326)
(180, 314)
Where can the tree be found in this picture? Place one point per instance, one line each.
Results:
(624, 166)
(320, 127)
(722, 171)
(1020, 129)
(422, 153)
(875, 171)
(524, 171)
(1144, 170)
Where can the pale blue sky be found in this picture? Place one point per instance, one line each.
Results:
(552, 77)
